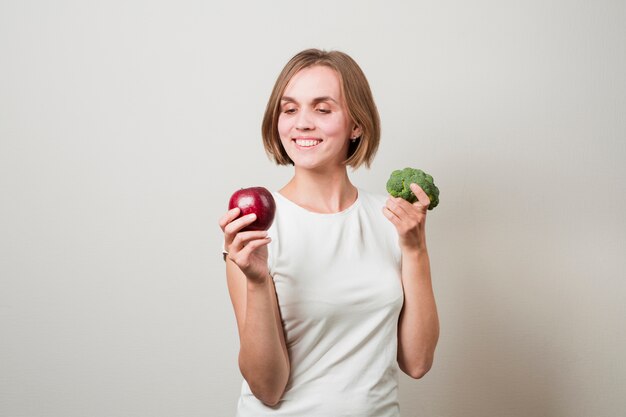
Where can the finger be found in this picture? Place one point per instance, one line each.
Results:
(236, 225)
(242, 239)
(422, 197)
(254, 245)
(391, 216)
(230, 215)
(399, 206)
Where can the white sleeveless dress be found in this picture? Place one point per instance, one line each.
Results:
(337, 278)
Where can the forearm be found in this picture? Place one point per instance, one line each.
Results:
(263, 357)
(418, 328)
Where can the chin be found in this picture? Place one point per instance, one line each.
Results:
(306, 164)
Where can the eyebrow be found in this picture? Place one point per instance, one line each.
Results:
(315, 100)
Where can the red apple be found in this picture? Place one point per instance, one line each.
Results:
(257, 200)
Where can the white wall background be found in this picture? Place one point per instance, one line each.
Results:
(126, 125)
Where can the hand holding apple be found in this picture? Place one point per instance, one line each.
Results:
(257, 200)
(251, 213)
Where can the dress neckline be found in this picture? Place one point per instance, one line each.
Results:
(348, 209)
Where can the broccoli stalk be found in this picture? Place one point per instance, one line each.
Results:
(399, 182)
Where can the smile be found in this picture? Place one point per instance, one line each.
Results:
(307, 143)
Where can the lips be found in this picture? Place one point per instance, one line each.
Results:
(307, 142)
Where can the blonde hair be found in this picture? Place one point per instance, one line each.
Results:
(358, 97)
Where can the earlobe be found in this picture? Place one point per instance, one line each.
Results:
(356, 132)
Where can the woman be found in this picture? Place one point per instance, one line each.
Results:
(338, 290)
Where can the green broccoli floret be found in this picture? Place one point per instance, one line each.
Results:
(399, 182)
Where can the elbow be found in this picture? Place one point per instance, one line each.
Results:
(418, 369)
(270, 396)
(417, 372)
(267, 387)
(269, 399)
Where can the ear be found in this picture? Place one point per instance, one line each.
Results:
(356, 132)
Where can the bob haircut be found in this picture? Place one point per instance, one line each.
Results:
(356, 92)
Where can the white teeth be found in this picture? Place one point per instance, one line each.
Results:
(307, 142)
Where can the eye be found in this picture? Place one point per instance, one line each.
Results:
(289, 110)
(323, 110)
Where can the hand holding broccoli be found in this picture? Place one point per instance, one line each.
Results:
(400, 180)
(412, 192)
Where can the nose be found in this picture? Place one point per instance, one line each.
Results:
(303, 121)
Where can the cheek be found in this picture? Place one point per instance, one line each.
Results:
(335, 127)
(283, 126)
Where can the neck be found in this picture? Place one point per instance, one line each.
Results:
(321, 192)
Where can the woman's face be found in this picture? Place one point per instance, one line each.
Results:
(314, 125)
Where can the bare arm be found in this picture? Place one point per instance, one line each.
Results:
(418, 327)
(263, 358)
